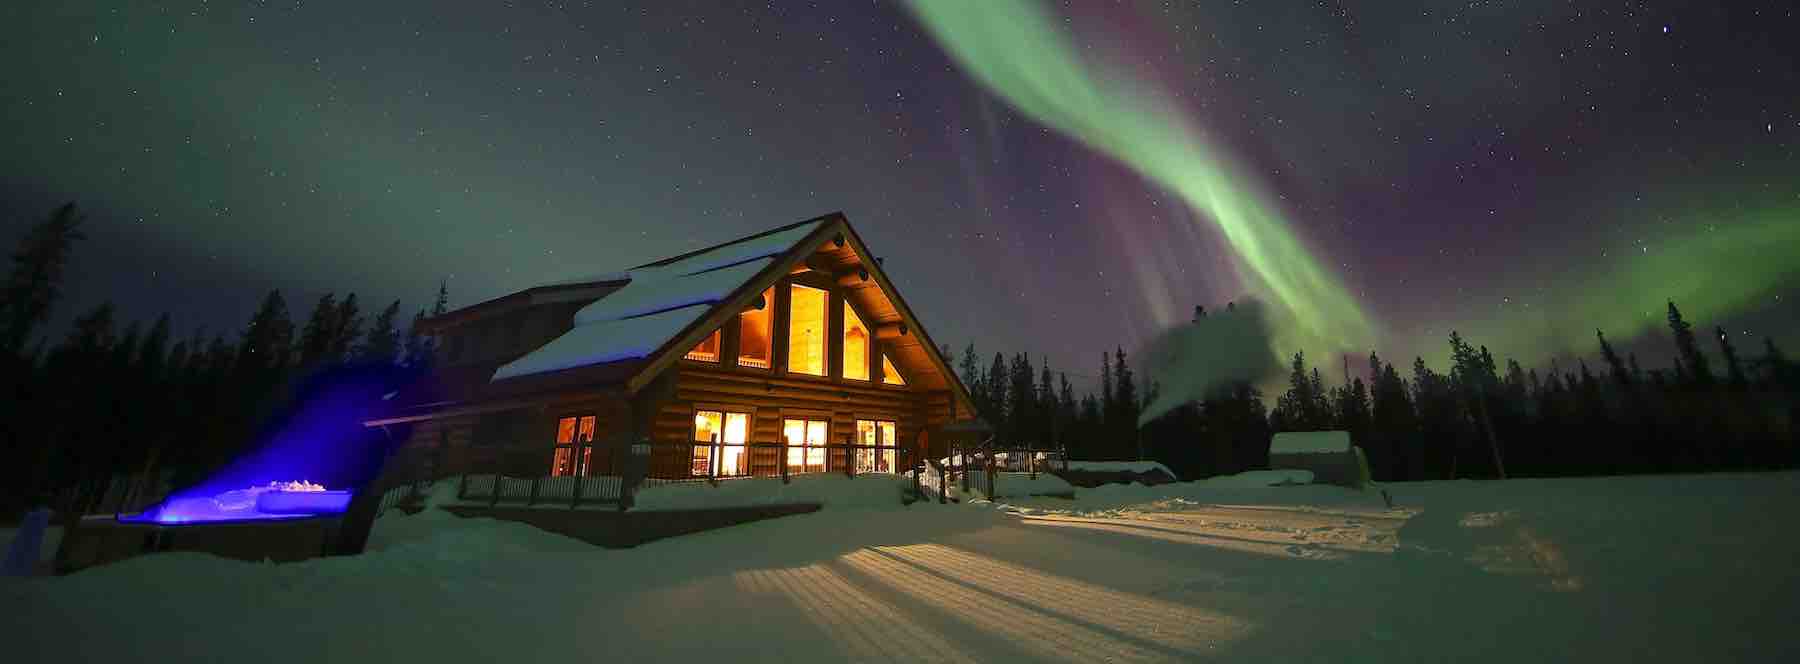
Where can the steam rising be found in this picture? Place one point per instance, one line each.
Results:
(1194, 360)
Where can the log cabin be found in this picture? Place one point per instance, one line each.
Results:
(763, 355)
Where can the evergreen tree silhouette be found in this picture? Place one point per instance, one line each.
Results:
(316, 335)
(35, 282)
(1734, 369)
(1690, 360)
(441, 306)
(1127, 403)
(1615, 366)
(382, 345)
(346, 329)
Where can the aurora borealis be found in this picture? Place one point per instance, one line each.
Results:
(1056, 179)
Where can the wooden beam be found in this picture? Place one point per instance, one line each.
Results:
(856, 278)
(892, 331)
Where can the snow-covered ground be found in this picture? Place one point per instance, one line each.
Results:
(1640, 569)
(1121, 466)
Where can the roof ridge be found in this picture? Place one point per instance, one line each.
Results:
(722, 245)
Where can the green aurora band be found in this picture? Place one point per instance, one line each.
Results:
(1018, 52)
(1022, 54)
(1711, 272)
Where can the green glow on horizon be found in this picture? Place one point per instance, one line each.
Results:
(1015, 49)
(1711, 272)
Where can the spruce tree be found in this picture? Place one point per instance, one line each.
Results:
(1127, 403)
(382, 345)
(996, 393)
(1615, 366)
(1733, 367)
(1108, 413)
(442, 305)
(970, 368)
(35, 282)
(267, 340)
(346, 329)
(1691, 361)
(316, 335)
(1046, 424)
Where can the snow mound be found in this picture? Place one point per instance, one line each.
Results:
(1310, 442)
(1120, 466)
(1258, 478)
(867, 492)
(1023, 484)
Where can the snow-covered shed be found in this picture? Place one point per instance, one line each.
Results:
(1328, 454)
(724, 358)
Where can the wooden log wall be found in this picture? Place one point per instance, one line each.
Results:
(771, 399)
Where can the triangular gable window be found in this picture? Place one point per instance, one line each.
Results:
(889, 374)
(707, 350)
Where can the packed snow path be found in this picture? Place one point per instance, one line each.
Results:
(1675, 569)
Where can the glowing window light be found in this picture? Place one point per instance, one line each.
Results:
(890, 375)
(806, 330)
(856, 345)
(707, 350)
(755, 337)
(811, 433)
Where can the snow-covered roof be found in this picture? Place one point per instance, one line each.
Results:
(600, 343)
(656, 289)
(1310, 442)
(661, 300)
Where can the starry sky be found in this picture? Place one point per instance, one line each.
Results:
(1521, 171)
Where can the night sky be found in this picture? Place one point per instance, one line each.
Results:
(1522, 171)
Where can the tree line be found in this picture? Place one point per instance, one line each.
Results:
(1035, 407)
(1476, 420)
(116, 397)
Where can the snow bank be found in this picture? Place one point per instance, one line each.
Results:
(875, 491)
(1119, 466)
(1023, 484)
(1310, 442)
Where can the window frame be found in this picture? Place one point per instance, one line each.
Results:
(824, 332)
(580, 450)
(869, 354)
(725, 412)
(718, 340)
(888, 361)
(806, 449)
(737, 357)
(888, 451)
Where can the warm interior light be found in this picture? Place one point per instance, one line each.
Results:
(707, 350)
(856, 345)
(889, 374)
(806, 330)
(805, 432)
(755, 346)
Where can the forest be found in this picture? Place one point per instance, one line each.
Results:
(119, 397)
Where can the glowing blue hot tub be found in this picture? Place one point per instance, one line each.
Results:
(277, 500)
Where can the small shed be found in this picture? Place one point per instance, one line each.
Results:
(1328, 454)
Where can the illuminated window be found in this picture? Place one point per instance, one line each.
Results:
(806, 330)
(755, 339)
(574, 452)
(728, 433)
(889, 374)
(856, 345)
(707, 350)
(879, 454)
(806, 445)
